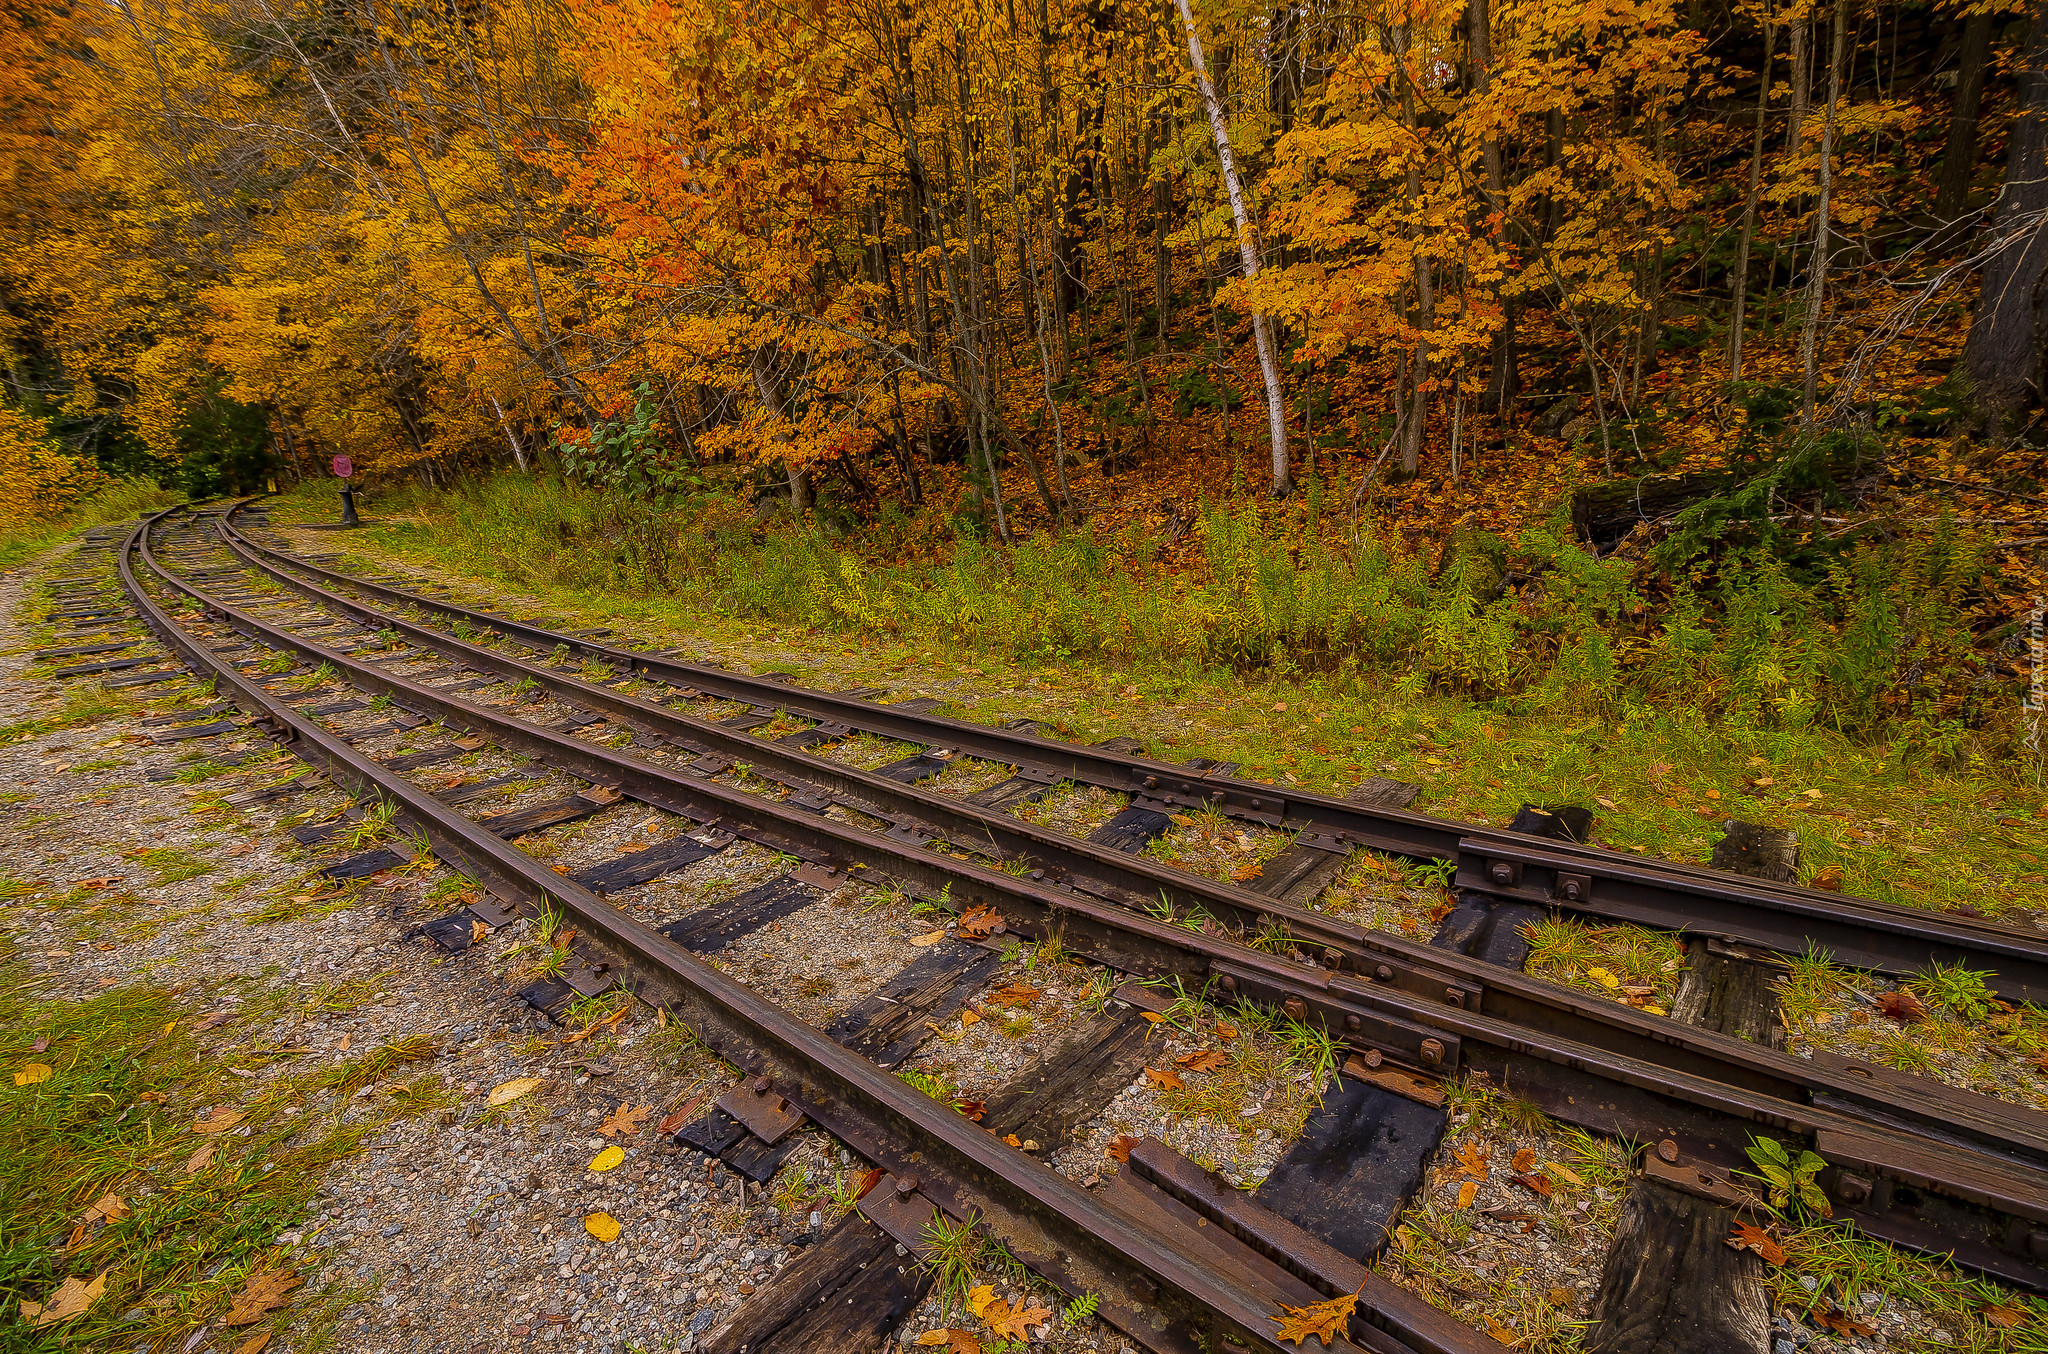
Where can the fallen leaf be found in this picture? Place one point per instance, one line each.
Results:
(603, 1226)
(1524, 1160)
(608, 1158)
(1467, 1192)
(955, 1341)
(1536, 1184)
(1208, 1060)
(218, 1120)
(1526, 1221)
(109, 1207)
(2001, 1314)
(32, 1073)
(675, 1119)
(929, 938)
(263, 1294)
(212, 1020)
(255, 1344)
(1225, 1032)
(868, 1180)
(981, 921)
(41, 1044)
(1017, 994)
(1903, 1007)
(1120, 1146)
(1563, 1173)
(71, 1299)
(1606, 803)
(1472, 1160)
(1166, 1079)
(980, 1298)
(504, 1093)
(1013, 1140)
(970, 1017)
(625, 1119)
(1843, 1324)
(973, 1109)
(1603, 977)
(1012, 1321)
(1559, 1297)
(1749, 1237)
(477, 930)
(1181, 819)
(1503, 1334)
(1323, 1321)
(200, 1159)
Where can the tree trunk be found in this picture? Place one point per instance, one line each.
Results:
(1248, 249)
(1802, 65)
(1739, 286)
(518, 452)
(1959, 159)
(2002, 356)
(1501, 378)
(1817, 268)
(768, 381)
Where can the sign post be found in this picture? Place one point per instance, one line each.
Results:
(343, 468)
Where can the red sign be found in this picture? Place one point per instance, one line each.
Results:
(343, 467)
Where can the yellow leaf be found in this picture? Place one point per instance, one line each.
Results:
(929, 938)
(1603, 977)
(1467, 1192)
(1503, 1334)
(71, 1299)
(506, 1092)
(608, 1158)
(969, 1017)
(980, 1297)
(31, 1074)
(1324, 1321)
(603, 1226)
(1564, 1173)
(255, 1344)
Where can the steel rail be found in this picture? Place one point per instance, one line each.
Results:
(1858, 932)
(1992, 1214)
(1050, 1222)
(1428, 976)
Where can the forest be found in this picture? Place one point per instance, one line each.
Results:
(1627, 328)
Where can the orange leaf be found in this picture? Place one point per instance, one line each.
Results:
(625, 1119)
(981, 921)
(1121, 1145)
(1208, 1060)
(1472, 1160)
(2001, 1314)
(1012, 1320)
(262, 1294)
(1016, 994)
(1536, 1184)
(1166, 1079)
(1467, 1192)
(1841, 1323)
(1524, 1160)
(1749, 1237)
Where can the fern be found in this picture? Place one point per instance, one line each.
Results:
(1083, 1307)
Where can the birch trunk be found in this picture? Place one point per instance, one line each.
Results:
(1248, 249)
(1817, 270)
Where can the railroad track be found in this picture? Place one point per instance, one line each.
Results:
(1910, 1160)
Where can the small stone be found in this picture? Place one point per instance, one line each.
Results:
(1782, 1346)
(702, 1321)
(393, 1230)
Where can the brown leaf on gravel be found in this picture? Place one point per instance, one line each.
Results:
(263, 1294)
(1165, 1078)
(868, 1180)
(1526, 1221)
(1841, 1323)
(1208, 1060)
(1472, 1160)
(955, 1341)
(1524, 1160)
(255, 1344)
(1013, 1321)
(1225, 1032)
(1467, 1192)
(1120, 1146)
(1536, 1184)
(1016, 994)
(477, 930)
(674, 1120)
(929, 938)
(212, 1019)
(1903, 1007)
(625, 1119)
(981, 921)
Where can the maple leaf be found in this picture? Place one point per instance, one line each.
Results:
(1524, 1160)
(1750, 1237)
(1472, 1160)
(261, 1295)
(1120, 1146)
(1208, 1060)
(1323, 1321)
(1012, 1321)
(1165, 1078)
(71, 1299)
(625, 1119)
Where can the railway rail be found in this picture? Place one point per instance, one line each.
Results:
(1911, 1161)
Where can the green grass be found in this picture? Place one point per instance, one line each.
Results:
(171, 866)
(117, 502)
(84, 703)
(127, 1080)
